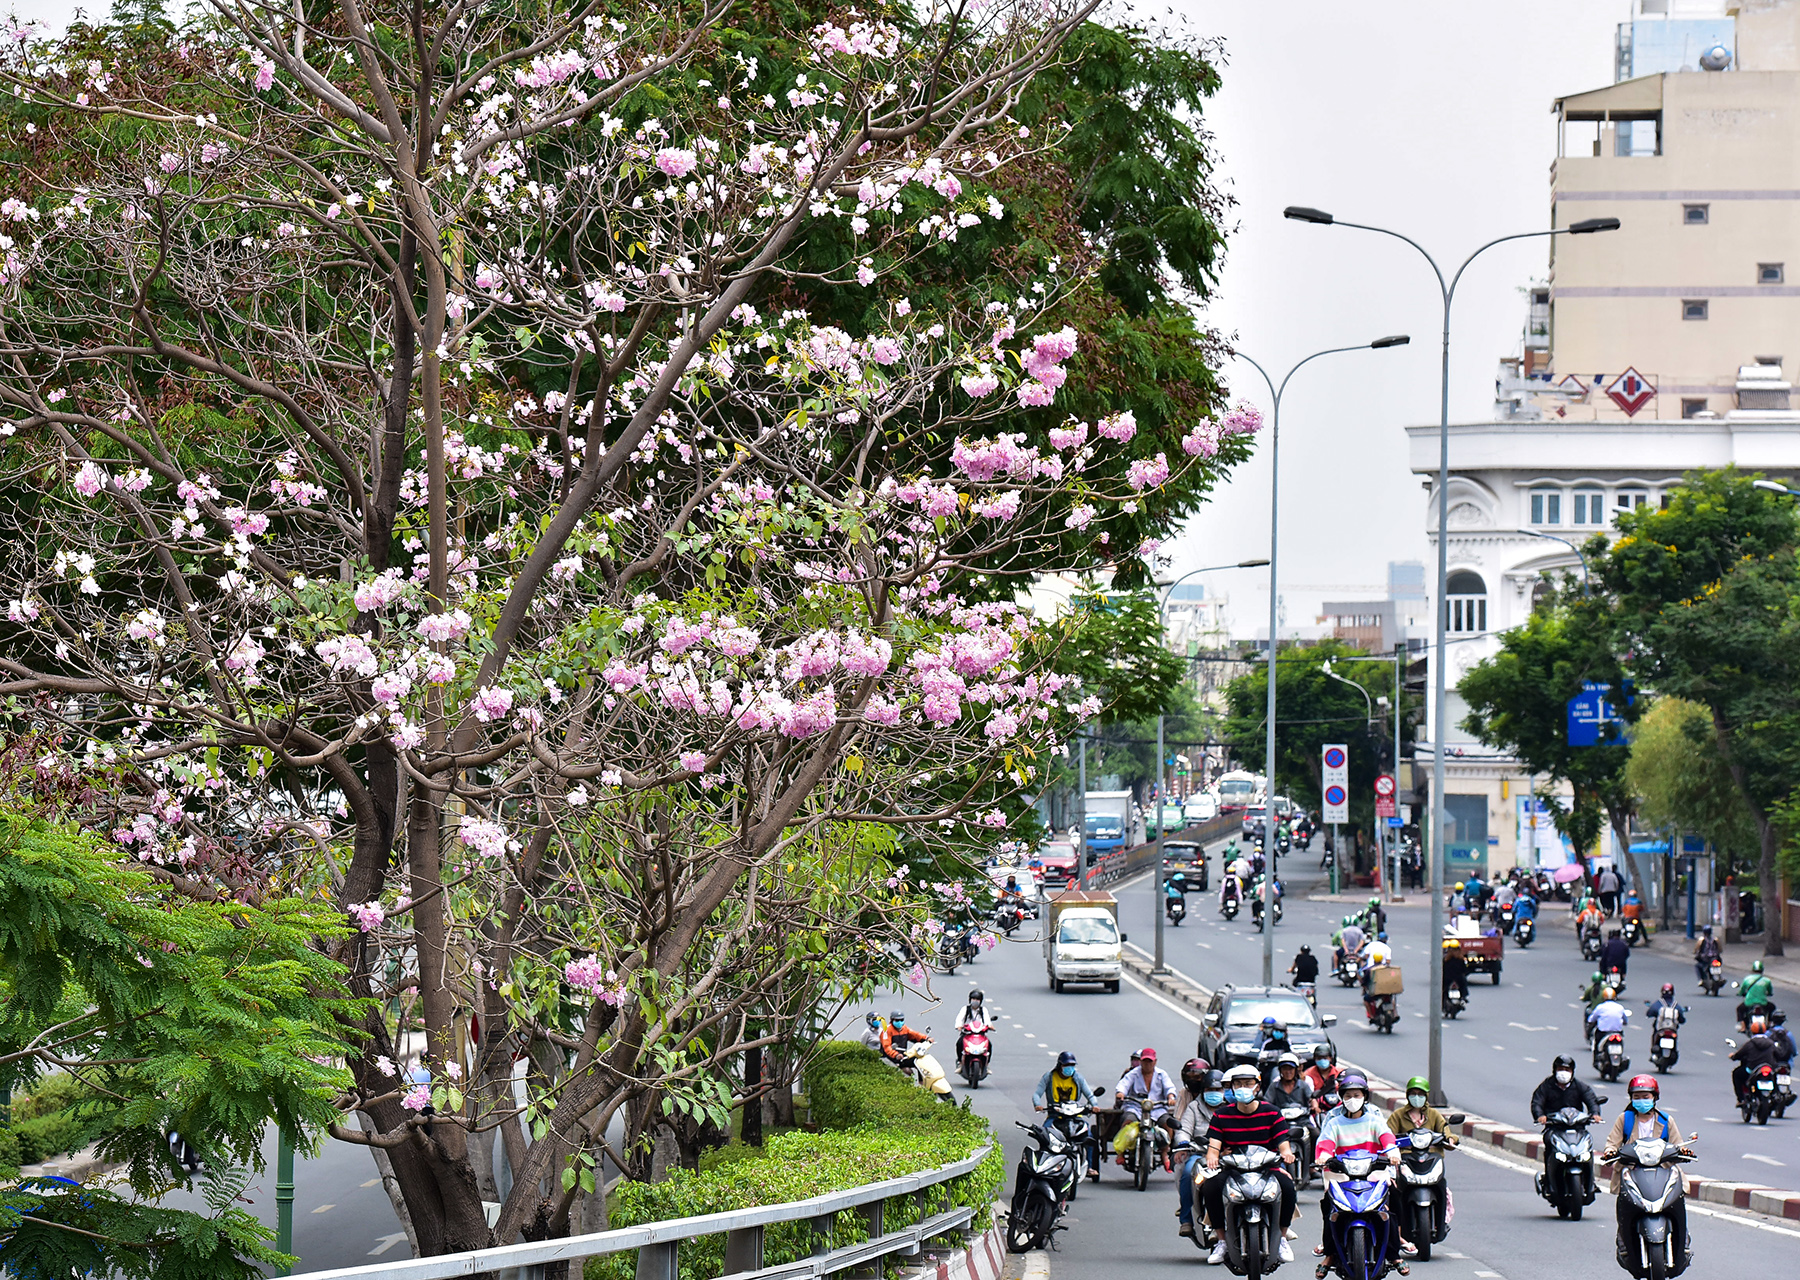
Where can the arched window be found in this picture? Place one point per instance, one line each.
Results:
(1465, 603)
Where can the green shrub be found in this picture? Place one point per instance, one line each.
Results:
(56, 1115)
(876, 1125)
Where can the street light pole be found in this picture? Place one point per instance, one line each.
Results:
(1369, 703)
(1586, 226)
(1275, 394)
(1158, 882)
(1587, 584)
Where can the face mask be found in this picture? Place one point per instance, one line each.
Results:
(1416, 1099)
(1563, 1077)
(1244, 1094)
(1212, 1097)
(1067, 1071)
(1353, 1106)
(1323, 1064)
(1643, 1106)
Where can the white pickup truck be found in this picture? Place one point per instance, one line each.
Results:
(1082, 942)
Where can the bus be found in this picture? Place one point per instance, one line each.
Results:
(1236, 790)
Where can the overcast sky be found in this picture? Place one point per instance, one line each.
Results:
(1432, 118)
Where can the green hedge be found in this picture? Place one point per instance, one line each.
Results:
(875, 1125)
(44, 1122)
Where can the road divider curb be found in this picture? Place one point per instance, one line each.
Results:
(1524, 1144)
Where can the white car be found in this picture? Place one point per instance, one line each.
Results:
(1201, 808)
(1028, 883)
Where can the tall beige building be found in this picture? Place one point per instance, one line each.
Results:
(1649, 351)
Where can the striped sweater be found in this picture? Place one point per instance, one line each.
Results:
(1366, 1134)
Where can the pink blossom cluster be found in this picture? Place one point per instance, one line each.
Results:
(1242, 420)
(1203, 440)
(879, 39)
(491, 703)
(381, 591)
(587, 974)
(1147, 473)
(486, 838)
(349, 653)
(555, 69)
(369, 916)
(1005, 454)
(440, 628)
(1043, 367)
(1118, 426)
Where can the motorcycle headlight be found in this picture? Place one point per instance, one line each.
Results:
(1234, 1192)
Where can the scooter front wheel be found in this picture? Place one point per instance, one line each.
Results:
(1422, 1232)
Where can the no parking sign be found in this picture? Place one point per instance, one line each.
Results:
(1334, 775)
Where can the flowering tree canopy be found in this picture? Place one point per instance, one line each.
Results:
(429, 485)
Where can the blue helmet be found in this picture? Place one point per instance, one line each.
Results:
(1065, 1059)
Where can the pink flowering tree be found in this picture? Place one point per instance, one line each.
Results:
(605, 711)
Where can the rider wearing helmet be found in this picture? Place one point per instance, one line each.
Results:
(972, 1012)
(1306, 965)
(1558, 1090)
(1062, 1083)
(1418, 1113)
(1208, 1095)
(1193, 1081)
(1643, 1117)
(1758, 1051)
(1379, 952)
(1271, 1036)
(1706, 950)
(1757, 991)
(1456, 970)
(871, 1036)
(1250, 1122)
(1354, 1128)
(1616, 954)
(1663, 1011)
(1288, 1088)
(1609, 1015)
(1459, 899)
(1783, 1038)
(896, 1036)
(1322, 1075)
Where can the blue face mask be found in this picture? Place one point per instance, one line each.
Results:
(1244, 1094)
(1643, 1106)
(1067, 1071)
(1212, 1097)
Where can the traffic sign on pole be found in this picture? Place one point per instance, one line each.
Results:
(1384, 786)
(1334, 779)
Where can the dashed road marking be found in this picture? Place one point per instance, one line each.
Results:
(372, 1181)
(1751, 1155)
(322, 1208)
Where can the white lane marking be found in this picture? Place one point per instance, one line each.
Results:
(1278, 683)
(1742, 1222)
(1708, 1052)
(1748, 1155)
(1542, 995)
(1466, 1035)
(1520, 1025)
(1156, 996)
(384, 1243)
(322, 1208)
(372, 1181)
(1485, 1275)
(1708, 1119)
(1499, 1048)
(1208, 945)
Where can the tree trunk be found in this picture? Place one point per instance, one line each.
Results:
(1767, 877)
(752, 1129)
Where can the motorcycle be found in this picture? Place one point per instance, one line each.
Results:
(1615, 978)
(1503, 917)
(1046, 1179)
(1665, 1042)
(1383, 1011)
(977, 1052)
(1252, 1210)
(1590, 942)
(1175, 908)
(1008, 916)
(1425, 1217)
(1714, 981)
(1310, 990)
(1454, 1001)
(1360, 1220)
(1149, 1151)
(1075, 1121)
(1784, 1089)
(918, 1061)
(1609, 1055)
(1525, 931)
(1229, 904)
(1633, 931)
(1256, 911)
(1570, 1187)
(1348, 971)
(1758, 1097)
(1303, 1133)
(1651, 1184)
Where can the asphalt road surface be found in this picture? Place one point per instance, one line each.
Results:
(1501, 1230)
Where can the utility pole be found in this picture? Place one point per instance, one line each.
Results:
(1081, 876)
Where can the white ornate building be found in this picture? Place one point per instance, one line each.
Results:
(1649, 351)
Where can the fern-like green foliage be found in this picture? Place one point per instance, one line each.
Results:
(214, 1019)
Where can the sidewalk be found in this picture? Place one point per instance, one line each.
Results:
(1783, 971)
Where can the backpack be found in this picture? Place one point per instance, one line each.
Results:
(1631, 1124)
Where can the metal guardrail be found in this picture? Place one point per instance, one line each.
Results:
(658, 1244)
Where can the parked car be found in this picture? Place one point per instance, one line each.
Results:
(1201, 808)
(1057, 858)
(1254, 816)
(1229, 1027)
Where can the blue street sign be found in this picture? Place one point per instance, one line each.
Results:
(1592, 718)
(1394, 822)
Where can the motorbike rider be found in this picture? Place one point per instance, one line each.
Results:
(1354, 1127)
(1350, 941)
(1558, 1090)
(1608, 1016)
(1190, 1138)
(1271, 1037)
(1288, 1088)
(1758, 1051)
(1504, 896)
(871, 1036)
(1062, 1083)
(1193, 1080)
(1456, 970)
(1418, 1113)
(1664, 1009)
(1644, 1114)
(1146, 1093)
(1706, 950)
(1459, 899)
(1306, 965)
(1323, 1074)
(1589, 918)
(1376, 916)
(1250, 1122)
(1758, 994)
(1783, 1038)
(1525, 905)
(972, 1012)
(1616, 954)
(897, 1035)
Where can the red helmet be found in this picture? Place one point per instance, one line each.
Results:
(1644, 1084)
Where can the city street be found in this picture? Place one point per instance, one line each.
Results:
(1502, 1228)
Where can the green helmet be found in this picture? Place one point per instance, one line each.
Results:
(1756, 966)
(1374, 902)
(1598, 976)
(1418, 1083)
(1348, 919)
